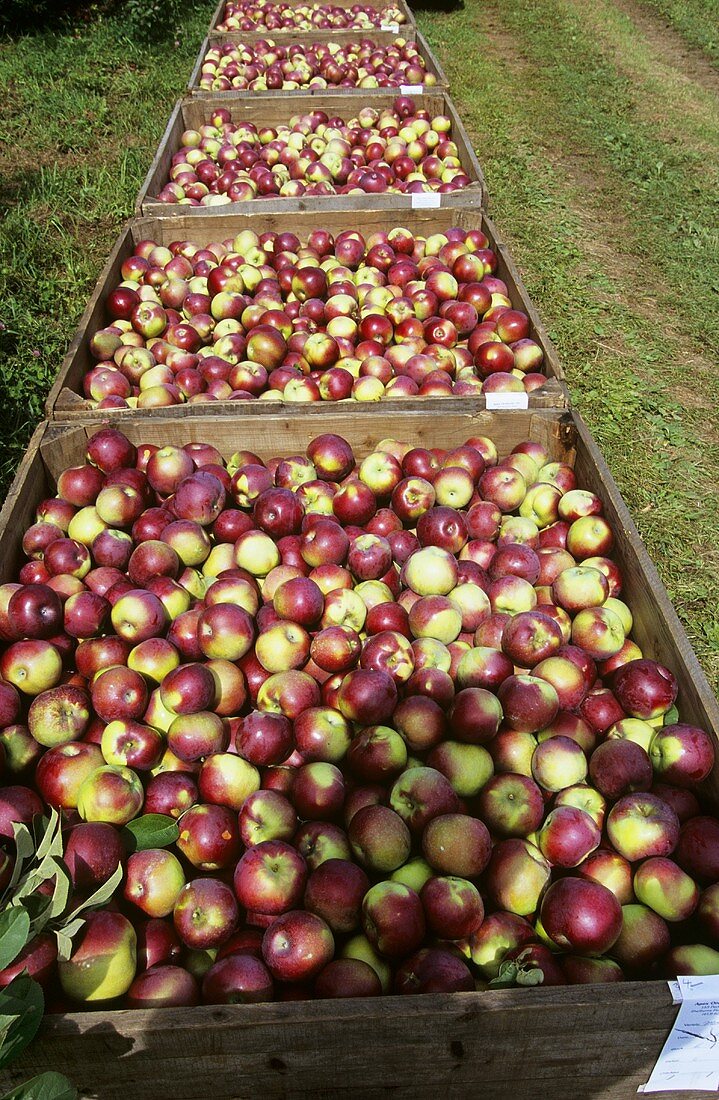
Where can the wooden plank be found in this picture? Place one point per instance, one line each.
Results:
(596, 1041)
(566, 1043)
(282, 34)
(269, 109)
(65, 401)
(382, 38)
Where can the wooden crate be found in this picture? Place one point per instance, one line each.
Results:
(284, 35)
(588, 1041)
(267, 109)
(66, 403)
(384, 38)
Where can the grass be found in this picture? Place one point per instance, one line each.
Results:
(602, 167)
(697, 21)
(598, 131)
(84, 110)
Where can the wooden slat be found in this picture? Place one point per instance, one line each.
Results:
(269, 109)
(382, 38)
(66, 403)
(598, 1042)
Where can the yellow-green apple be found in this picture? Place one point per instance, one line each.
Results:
(612, 870)
(226, 780)
(662, 885)
(586, 798)
(517, 876)
(640, 825)
(682, 754)
(103, 961)
(31, 665)
(153, 880)
(266, 815)
(111, 794)
(511, 805)
(456, 844)
(430, 571)
(59, 715)
(319, 841)
(468, 767)
(282, 646)
(557, 763)
(690, 958)
(499, 933)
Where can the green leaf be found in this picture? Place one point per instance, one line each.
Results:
(61, 893)
(22, 999)
(51, 842)
(671, 717)
(14, 934)
(150, 831)
(25, 846)
(102, 894)
(47, 1086)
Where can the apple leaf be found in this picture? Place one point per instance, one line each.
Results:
(14, 934)
(102, 894)
(150, 831)
(671, 717)
(47, 1086)
(23, 1002)
(51, 841)
(24, 848)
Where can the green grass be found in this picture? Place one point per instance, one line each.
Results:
(602, 169)
(83, 113)
(697, 21)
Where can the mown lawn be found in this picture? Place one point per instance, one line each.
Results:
(599, 136)
(598, 128)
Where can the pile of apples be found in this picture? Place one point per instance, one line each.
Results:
(403, 150)
(394, 706)
(271, 66)
(249, 15)
(266, 317)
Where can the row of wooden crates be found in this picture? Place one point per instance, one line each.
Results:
(584, 1041)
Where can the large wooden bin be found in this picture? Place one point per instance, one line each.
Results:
(66, 403)
(269, 109)
(383, 38)
(596, 1041)
(283, 35)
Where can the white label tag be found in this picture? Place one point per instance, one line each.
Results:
(507, 400)
(391, 28)
(425, 200)
(690, 1057)
(411, 89)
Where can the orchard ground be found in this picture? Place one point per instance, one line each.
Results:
(598, 130)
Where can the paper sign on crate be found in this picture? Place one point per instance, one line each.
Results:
(689, 1060)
